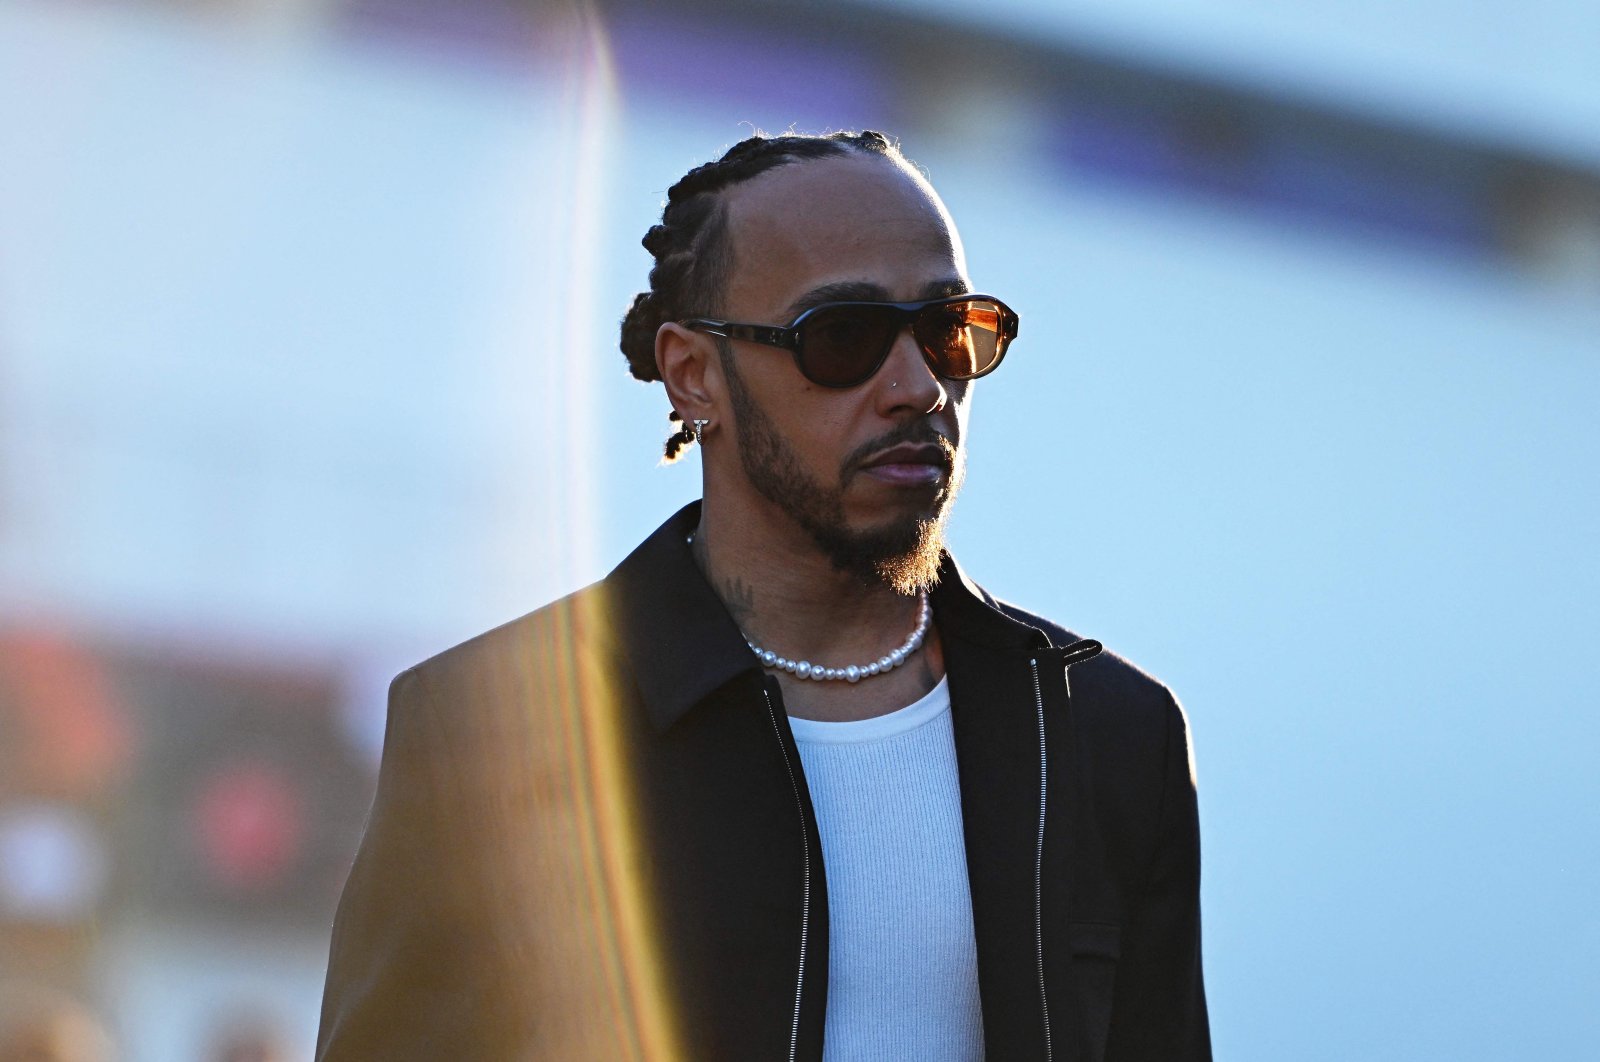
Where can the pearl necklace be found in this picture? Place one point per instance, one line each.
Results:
(855, 672)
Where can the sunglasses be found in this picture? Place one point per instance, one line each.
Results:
(841, 344)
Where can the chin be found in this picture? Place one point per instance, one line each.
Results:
(916, 570)
(902, 552)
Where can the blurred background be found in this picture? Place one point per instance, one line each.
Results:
(308, 370)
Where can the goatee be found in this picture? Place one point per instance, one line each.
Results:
(903, 554)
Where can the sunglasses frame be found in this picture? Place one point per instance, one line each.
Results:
(906, 313)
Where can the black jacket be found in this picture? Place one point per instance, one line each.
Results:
(592, 839)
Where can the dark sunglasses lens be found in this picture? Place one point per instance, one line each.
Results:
(842, 345)
(963, 339)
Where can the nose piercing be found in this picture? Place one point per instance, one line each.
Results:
(893, 384)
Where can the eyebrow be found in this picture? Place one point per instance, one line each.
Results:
(866, 291)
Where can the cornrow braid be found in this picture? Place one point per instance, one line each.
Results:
(678, 439)
(691, 252)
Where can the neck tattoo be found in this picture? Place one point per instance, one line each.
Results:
(853, 672)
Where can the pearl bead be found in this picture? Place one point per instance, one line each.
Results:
(854, 672)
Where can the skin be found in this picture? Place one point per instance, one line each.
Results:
(856, 227)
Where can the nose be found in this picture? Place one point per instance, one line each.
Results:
(905, 382)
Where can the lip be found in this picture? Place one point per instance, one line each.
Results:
(909, 464)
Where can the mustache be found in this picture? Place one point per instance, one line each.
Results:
(917, 432)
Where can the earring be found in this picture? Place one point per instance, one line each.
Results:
(699, 431)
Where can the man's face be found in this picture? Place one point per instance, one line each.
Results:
(868, 472)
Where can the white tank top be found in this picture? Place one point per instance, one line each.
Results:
(902, 959)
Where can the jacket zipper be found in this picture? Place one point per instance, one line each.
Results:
(1038, 864)
(805, 902)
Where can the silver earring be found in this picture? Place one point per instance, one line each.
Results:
(700, 431)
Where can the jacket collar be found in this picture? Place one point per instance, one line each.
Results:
(963, 606)
(678, 637)
(683, 645)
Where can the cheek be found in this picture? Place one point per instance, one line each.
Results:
(960, 392)
(830, 432)
(815, 430)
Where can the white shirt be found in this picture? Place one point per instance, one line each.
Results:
(902, 958)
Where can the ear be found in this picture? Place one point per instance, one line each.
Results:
(688, 365)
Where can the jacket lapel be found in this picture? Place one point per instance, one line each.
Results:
(997, 753)
(736, 857)
(996, 719)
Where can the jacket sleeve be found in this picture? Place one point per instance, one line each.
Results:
(1159, 1010)
(403, 981)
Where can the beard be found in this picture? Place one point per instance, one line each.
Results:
(903, 553)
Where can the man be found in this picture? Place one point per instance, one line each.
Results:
(786, 784)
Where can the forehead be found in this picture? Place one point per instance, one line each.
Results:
(853, 220)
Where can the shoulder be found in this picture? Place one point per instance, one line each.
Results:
(521, 650)
(1132, 744)
(1109, 691)
(1133, 754)
(491, 686)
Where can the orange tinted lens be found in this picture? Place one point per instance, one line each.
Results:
(962, 339)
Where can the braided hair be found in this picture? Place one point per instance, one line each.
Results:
(690, 248)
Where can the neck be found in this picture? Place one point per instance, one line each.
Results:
(785, 595)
